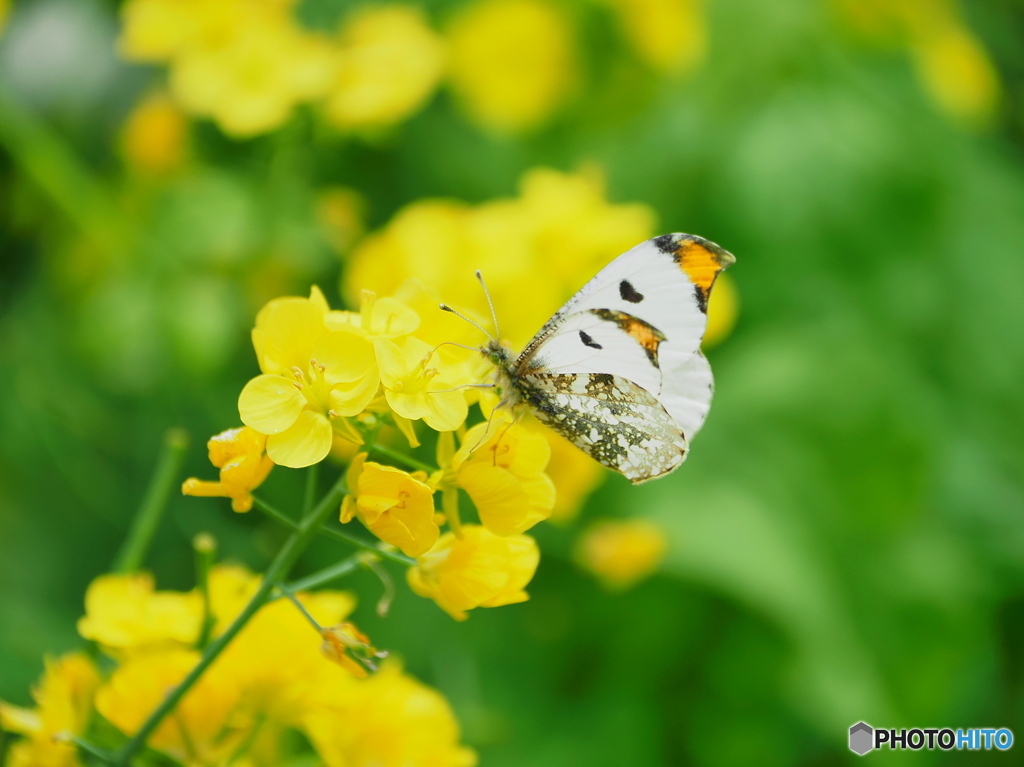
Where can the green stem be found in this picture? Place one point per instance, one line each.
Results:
(333, 532)
(206, 553)
(93, 750)
(148, 517)
(287, 592)
(47, 159)
(394, 455)
(328, 574)
(293, 548)
(312, 475)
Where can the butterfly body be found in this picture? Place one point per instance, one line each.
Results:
(618, 370)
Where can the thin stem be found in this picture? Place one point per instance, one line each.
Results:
(408, 460)
(312, 475)
(293, 548)
(148, 517)
(333, 532)
(300, 607)
(206, 553)
(52, 165)
(328, 574)
(93, 750)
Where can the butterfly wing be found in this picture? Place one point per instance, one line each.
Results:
(642, 319)
(616, 422)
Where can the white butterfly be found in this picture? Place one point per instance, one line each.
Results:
(618, 370)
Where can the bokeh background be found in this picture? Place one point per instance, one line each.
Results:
(846, 541)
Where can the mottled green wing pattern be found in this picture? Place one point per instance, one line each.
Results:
(610, 418)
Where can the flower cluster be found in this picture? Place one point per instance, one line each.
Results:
(511, 64)
(247, 64)
(951, 62)
(270, 681)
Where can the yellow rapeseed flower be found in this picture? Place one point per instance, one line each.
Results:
(124, 612)
(504, 475)
(5, 10)
(64, 700)
(622, 553)
(312, 378)
(239, 454)
(477, 569)
(154, 136)
(388, 720)
(250, 83)
(388, 64)
(512, 62)
(205, 727)
(670, 35)
(419, 385)
(394, 505)
(561, 225)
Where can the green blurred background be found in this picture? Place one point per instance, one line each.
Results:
(847, 538)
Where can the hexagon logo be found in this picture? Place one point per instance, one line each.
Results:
(861, 738)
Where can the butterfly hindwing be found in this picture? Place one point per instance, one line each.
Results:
(616, 422)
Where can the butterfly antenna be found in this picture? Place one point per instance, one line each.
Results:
(490, 303)
(446, 308)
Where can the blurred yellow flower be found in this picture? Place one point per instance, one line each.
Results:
(504, 475)
(958, 74)
(239, 454)
(670, 35)
(5, 10)
(204, 728)
(952, 64)
(478, 569)
(392, 504)
(574, 473)
(418, 385)
(250, 83)
(621, 553)
(341, 211)
(276, 659)
(723, 310)
(124, 612)
(64, 700)
(311, 376)
(153, 139)
(388, 64)
(512, 62)
(154, 30)
(561, 226)
(350, 648)
(388, 720)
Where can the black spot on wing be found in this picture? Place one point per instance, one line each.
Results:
(629, 293)
(666, 243)
(588, 341)
(701, 294)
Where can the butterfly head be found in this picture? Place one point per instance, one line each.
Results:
(498, 352)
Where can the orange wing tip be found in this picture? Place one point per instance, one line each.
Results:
(700, 259)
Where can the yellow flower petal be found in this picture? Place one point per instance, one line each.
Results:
(307, 442)
(270, 404)
(287, 330)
